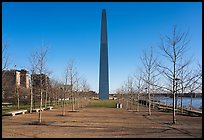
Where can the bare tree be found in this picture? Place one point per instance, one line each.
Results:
(55, 86)
(184, 82)
(5, 57)
(77, 89)
(18, 96)
(200, 79)
(139, 86)
(149, 72)
(126, 95)
(84, 89)
(33, 70)
(71, 77)
(66, 87)
(65, 90)
(6, 61)
(42, 61)
(194, 84)
(120, 96)
(173, 49)
(130, 91)
(38, 61)
(85, 86)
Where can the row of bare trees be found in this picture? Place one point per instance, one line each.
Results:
(75, 87)
(57, 92)
(173, 75)
(46, 91)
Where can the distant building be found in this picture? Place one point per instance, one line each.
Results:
(38, 78)
(15, 78)
(13, 82)
(24, 78)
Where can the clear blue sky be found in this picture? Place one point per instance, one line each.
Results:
(72, 31)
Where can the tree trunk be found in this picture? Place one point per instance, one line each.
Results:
(138, 100)
(63, 113)
(18, 100)
(72, 102)
(46, 99)
(31, 99)
(149, 103)
(191, 101)
(181, 103)
(40, 112)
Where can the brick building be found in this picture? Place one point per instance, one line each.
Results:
(15, 78)
(24, 78)
(14, 81)
(11, 78)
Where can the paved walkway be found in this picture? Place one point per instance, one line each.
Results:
(102, 123)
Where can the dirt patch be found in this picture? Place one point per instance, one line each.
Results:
(101, 122)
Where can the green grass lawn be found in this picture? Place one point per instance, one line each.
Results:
(102, 103)
(92, 103)
(14, 107)
(27, 107)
